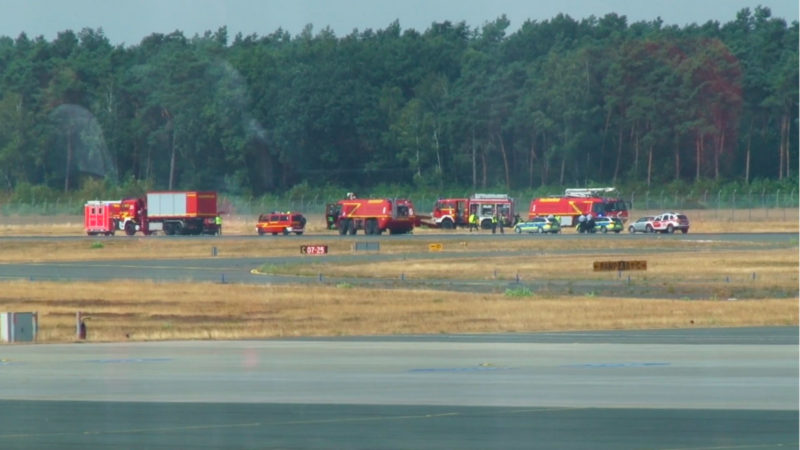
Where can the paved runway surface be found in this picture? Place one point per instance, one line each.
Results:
(692, 389)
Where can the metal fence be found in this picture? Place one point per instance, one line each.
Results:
(734, 205)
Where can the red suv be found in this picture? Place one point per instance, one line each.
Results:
(669, 222)
(281, 222)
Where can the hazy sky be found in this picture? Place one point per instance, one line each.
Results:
(128, 21)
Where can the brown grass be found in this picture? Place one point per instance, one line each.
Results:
(128, 310)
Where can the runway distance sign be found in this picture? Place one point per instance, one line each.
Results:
(435, 247)
(608, 266)
(313, 249)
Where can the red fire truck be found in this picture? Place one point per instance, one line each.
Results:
(599, 202)
(373, 215)
(183, 212)
(449, 213)
(101, 217)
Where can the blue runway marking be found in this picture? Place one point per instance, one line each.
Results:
(128, 360)
(615, 365)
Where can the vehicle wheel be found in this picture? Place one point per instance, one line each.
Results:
(670, 229)
(631, 230)
(447, 224)
(648, 228)
(351, 227)
(343, 226)
(260, 232)
(617, 231)
(685, 230)
(486, 224)
(285, 232)
(130, 229)
(517, 230)
(298, 233)
(604, 230)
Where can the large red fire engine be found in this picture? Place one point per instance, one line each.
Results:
(184, 212)
(599, 202)
(373, 215)
(449, 213)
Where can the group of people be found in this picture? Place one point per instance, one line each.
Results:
(585, 223)
(497, 222)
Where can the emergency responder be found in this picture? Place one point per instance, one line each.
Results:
(494, 224)
(473, 222)
(499, 221)
(218, 221)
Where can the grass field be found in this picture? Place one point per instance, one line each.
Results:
(688, 283)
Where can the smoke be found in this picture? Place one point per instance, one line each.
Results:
(89, 150)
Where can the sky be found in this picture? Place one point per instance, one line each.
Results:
(127, 22)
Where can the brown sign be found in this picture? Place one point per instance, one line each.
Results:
(604, 266)
(314, 249)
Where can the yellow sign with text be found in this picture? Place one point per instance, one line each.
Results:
(435, 247)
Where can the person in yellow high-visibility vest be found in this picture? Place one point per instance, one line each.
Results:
(218, 222)
(473, 222)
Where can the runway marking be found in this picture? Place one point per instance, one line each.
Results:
(616, 365)
(128, 360)
(735, 447)
(277, 423)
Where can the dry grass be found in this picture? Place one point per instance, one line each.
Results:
(128, 310)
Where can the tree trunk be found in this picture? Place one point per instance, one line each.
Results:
(484, 173)
(531, 159)
(505, 160)
(619, 156)
(781, 149)
(474, 162)
(563, 170)
(677, 151)
(649, 165)
(718, 152)
(69, 158)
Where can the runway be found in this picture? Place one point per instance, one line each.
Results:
(725, 388)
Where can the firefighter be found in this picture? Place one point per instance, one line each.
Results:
(218, 222)
(473, 222)
(499, 221)
(494, 224)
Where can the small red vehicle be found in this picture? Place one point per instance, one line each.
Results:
(281, 222)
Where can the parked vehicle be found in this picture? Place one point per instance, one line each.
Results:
(449, 213)
(101, 217)
(580, 202)
(606, 224)
(281, 222)
(642, 225)
(538, 225)
(669, 222)
(175, 212)
(373, 215)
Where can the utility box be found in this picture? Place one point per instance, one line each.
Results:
(18, 327)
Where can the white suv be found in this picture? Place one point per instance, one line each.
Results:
(669, 222)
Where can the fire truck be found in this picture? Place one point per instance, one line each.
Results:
(101, 217)
(449, 213)
(599, 202)
(174, 212)
(373, 215)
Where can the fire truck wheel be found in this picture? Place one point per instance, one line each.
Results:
(298, 233)
(285, 232)
(447, 224)
(343, 227)
(351, 227)
(130, 229)
(260, 232)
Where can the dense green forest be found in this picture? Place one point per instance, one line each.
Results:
(561, 102)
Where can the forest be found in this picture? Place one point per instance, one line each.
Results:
(560, 102)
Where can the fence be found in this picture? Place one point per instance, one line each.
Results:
(734, 205)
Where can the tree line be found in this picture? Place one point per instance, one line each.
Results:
(557, 102)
